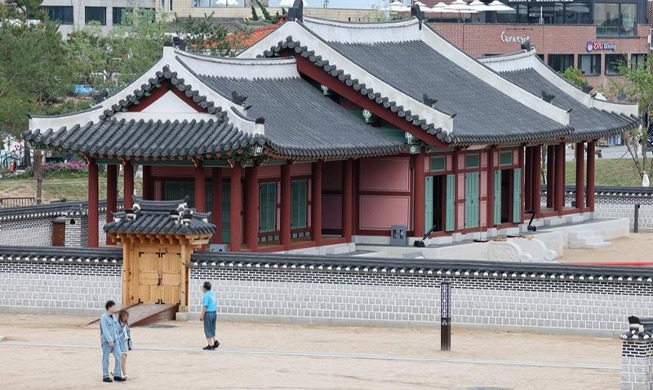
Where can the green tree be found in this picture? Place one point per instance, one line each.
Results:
(204, 36)
(636, 86)
(575, 76)
(266, 15)
(254, 14)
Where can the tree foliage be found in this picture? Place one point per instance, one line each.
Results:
(636, 85)
(254, 14)
(575, 76)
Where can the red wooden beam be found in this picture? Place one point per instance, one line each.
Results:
(148, 185)
(252, 208)
(419, 198)
(308, 69)
(528, 178)
(235, 203)
(550, 175)
(536, 201)
(200, 188)
(347, 199)
(316, 202)
(93, 205)
(112, 194)
(128, 186)
(580, 175)
(216, 203)
(285, 207)
(490, 187)
(591, 170)
(559, 199)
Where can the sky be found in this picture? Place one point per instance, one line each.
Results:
(343, 3)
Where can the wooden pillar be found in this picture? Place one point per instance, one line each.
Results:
(112, 195)
(148, 185)
(252, 208)
(200, 188)
(559, 199)
(347, 199)
(355, 205)
(591, 170)
(286, 194)
(419, 196)
(235, 204)
(93, 205)
(216, 203)
(580, 176)
(550, 175)
(536, 191)
(128, 186)
(159, 189)
(528, 178)
(490, 187)
(316, 202)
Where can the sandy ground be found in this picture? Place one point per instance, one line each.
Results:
(638, 247)
(54, 352)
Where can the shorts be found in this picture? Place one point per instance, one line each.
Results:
(209, 324)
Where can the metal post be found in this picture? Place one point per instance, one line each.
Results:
(636, 221)
(445, 316)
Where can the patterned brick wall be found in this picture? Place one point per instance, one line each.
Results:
(636, 360)
(58, 287)
(27, 232)
(521, 301)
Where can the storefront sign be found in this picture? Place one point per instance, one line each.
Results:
(506, 38)
(600, 46)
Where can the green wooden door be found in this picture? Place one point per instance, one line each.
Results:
(450, 209)
(516, 196)
(497, 198)
(428, 203)
(472, 200)
(298, 204)
(267, 207)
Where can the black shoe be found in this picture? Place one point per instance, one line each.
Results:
(106, 379)
(119, 379)
(208, 348)
(216, 344)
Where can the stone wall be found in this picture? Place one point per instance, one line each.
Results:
(610, 207)
(58, 287)
(27, 231)
(518, 300)
(636, 365)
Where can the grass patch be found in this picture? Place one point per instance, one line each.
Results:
(56, 189)
(609, 172)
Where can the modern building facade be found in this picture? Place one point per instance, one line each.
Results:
(593, 35)
(327, 132)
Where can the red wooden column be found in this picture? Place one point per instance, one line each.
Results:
(148, 185)
(235, 203)
(528, 179)
(559, 199)
(316, 202)
(286, 193)
(252, 208)
(128, 180)
(93, 205)
(200, 188)
(347, 199)
(536, 202)
(580, 176)
(550, 175)
(216, 204)
(419, 197)
(490, 187)
(591, 170)
(112, 194)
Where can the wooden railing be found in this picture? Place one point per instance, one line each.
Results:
(17, 201)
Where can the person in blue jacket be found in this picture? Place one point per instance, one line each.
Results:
(209, 316)
(109, 330)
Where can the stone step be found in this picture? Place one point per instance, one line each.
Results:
(598, 245)
(581, 234)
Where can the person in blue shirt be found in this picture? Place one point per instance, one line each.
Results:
(109, 329)
(208, 315)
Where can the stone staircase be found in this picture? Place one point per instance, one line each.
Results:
(586, 239)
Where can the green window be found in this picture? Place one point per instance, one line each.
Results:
(268, 207)
(505, 158)
(438, 164)
(516, 197)
(472, 161)
(450, 210)
(428, 202)
(472, 208)
(298, 204)
(497, 198)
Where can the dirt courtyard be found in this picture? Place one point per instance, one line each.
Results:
(55, 352)
(636, 248)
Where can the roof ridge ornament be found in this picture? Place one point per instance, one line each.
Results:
(429, 101)
(527, 45)
(296, 12)
(240, 100)
(547, 97)
(415, 11)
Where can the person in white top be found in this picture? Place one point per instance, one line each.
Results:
(645, 181)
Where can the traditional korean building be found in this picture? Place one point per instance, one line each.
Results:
(327, 132)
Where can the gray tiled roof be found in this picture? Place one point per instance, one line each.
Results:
(155, 217)
(359, 87)
(484, 114)
(587, 122)
(301, 122)
(146, 139)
